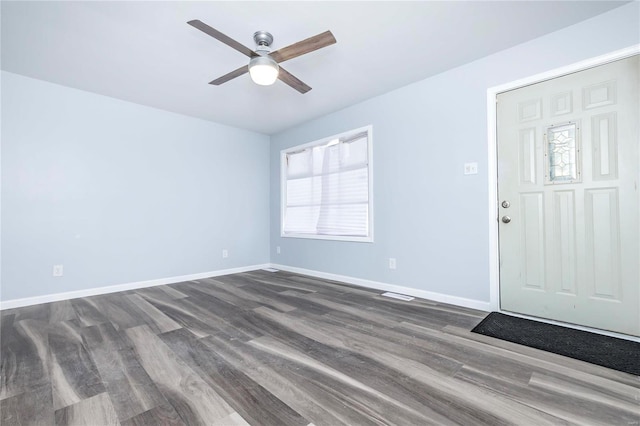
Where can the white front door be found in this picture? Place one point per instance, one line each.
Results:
(569, 205)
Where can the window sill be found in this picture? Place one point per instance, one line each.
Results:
(368, 239)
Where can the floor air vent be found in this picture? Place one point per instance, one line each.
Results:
(397, 296)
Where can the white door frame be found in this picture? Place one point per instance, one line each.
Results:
(492, 93)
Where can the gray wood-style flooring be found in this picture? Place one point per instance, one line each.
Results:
(265, 348)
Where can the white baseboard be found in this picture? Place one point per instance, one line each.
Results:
(437, 297)
(27, 301)
(423, 294)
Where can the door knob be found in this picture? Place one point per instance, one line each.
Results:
(506, 219)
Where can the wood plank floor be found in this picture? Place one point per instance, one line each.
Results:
(265, 348)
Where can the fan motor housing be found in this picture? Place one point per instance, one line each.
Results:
(263, 38)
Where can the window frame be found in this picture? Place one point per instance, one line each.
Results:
(578, 153)
(283, 186)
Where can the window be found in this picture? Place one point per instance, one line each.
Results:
(562, 152)
(326, 188)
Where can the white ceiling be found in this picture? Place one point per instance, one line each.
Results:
(144, 52)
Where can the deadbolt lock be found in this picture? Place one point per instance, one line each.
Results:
(506, 204)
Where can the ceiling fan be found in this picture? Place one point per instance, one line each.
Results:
(263, 64)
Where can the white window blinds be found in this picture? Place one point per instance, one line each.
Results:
(326, 188)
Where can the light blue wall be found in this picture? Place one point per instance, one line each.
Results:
(119, 193)
(427, 214)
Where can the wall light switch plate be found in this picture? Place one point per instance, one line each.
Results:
(470, 168)
(225, 253)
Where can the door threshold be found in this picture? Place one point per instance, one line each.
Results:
(574, 326)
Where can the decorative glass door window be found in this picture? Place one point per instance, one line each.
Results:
(562, 154)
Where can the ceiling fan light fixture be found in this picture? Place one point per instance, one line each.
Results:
(263, 64)
(263, 70)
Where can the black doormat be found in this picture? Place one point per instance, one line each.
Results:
(611, 352)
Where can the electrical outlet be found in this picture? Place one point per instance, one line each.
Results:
(470, 168)
(278, 249)
(58, 270)
(225, 253)
(392, 263)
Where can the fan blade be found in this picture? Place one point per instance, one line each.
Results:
(230, 76)
(293, 81)
(223, 38)
(305, 46)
